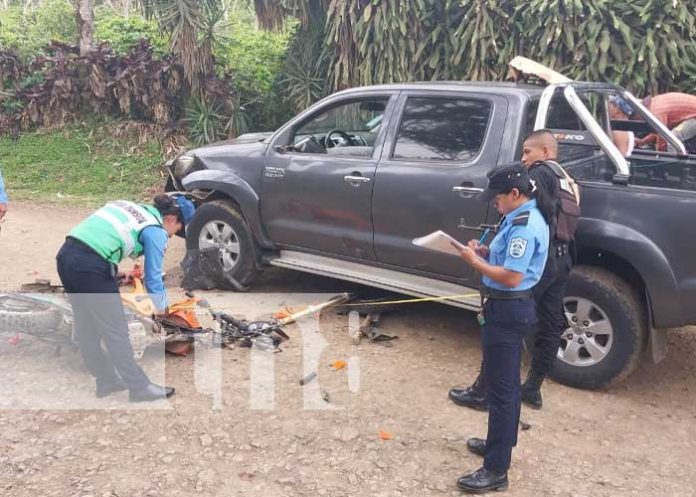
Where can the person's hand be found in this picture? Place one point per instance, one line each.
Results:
(3, 210)
(161, 313)
(480, 249)
(646, 140)
(466, 253)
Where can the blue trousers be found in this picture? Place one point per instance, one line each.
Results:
(506, 324)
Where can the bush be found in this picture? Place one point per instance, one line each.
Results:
(53, 20)
(54, 89)
(254, 59)
(123, 33)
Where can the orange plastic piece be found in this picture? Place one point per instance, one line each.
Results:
(138, 299)
(339, 364)
(283, 313)
(385, 435)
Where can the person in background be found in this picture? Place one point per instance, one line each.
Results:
(677, 111)
(3, 198)
(88, 268)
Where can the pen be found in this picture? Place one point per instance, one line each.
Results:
(483, 237)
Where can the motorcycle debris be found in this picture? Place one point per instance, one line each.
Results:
(311, 376)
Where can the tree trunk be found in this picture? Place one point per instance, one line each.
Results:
(85, 25)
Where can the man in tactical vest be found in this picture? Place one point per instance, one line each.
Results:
(88, 268)
(558, 194)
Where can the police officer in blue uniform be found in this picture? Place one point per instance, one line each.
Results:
(558, 196)
(510, 267)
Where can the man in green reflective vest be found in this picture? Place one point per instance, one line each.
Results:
(88, 268)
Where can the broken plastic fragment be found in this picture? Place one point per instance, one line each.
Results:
(339, 364)
(385, 435)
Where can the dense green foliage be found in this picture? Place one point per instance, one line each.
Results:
(123, 33)
(30, 33)
(647, 46)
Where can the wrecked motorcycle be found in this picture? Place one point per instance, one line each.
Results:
(46, 314)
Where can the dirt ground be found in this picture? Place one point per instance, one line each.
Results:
(636, 439)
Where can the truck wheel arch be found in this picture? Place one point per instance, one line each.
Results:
(225, 185)
(634, 257)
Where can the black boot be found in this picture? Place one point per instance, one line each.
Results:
(477, 446)
(107, 387)
(483, 480)
(531, 390)
(473, 397)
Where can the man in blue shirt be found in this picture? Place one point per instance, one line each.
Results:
(510, 267)
(3, 198)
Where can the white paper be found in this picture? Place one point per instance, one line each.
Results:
(440, 241)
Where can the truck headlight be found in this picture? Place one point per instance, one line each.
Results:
(183, 165)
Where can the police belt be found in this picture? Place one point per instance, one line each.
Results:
(491, 293)
(558, 248)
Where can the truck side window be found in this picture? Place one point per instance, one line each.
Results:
(347, 129)
(442, 129)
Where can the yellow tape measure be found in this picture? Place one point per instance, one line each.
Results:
(414, 301)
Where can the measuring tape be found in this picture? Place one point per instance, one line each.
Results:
(413, 301)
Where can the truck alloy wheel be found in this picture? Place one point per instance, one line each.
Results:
(608, 329)
(219, 226)
(220, 235)
(590, 336)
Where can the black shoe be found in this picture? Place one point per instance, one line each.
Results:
(477, 446)
(532, 397)
(150, 393)
(531, 390)
(108, 387)
(482, 480)
(473, 397)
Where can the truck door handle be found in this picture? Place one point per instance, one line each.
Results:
(356, 180)
(466, 191)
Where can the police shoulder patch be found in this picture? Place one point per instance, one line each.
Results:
(518, 246)
(521, 219)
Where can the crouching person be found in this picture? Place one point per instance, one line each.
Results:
(88, 268)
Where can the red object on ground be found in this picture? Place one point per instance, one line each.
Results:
(136, 272)
(15, 339)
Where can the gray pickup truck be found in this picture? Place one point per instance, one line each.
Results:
(343, 188)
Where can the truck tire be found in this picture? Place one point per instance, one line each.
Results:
(608, 330)
(219, 228)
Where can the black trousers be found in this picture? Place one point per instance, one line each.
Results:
(551, 322)
(548, 295)
(506, 324)
(99, 316)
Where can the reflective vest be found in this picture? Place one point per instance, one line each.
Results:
(114, 230)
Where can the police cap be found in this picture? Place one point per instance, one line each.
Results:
(504, 178)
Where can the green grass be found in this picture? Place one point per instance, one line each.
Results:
(81, 164)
